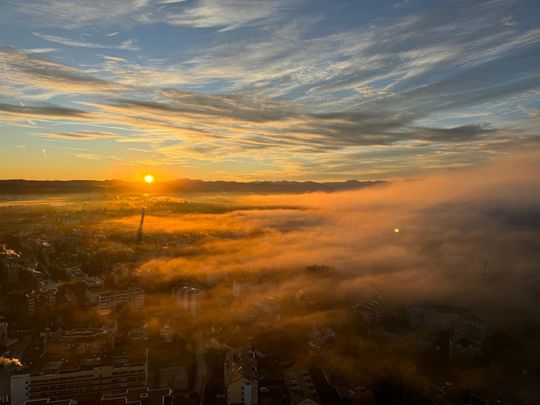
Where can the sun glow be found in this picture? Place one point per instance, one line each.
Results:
(149, 179)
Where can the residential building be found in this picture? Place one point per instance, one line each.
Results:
(245, 287)
(189, 299)
(241, 377)
(372, 310)
(32, 299)
(92, 284)
(85, 342)
(167, 333)
(6, 371)
(466, 334)
(467, 340)
(300, 387)
(45, 295)
(86, 380)
(108, 302)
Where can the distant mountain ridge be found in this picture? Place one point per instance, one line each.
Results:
(18, 186)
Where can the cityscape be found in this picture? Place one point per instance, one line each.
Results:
(267, 299)
(269, 202)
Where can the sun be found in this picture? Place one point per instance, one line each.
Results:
(149, 179)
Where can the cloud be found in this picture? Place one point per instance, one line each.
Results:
(47, 111)
(405, 53)
(80, 13)
(402, 3)
(227, 14)
(457, 134)
(189, 125)
(224, 14)
(259, 124)
(39, 50)
(80, 135)
(92, 156)
(151, 73)
(21, 69)
(125, 46)
(474, 86)
(508, 21)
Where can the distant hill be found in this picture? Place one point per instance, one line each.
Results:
(176, 186)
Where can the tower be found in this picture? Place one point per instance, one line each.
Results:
(141, 223)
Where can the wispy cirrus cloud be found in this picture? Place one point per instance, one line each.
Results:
(45, 112)
(155, 73)
(29, 72)
(223, 14)
(78, 13)
(127, 45)
(402, 54)
(508, 21)
(82, 136)
(227, 14)
(39, 50)
(91, 156)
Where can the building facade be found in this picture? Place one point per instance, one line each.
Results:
(189, 299)
(108, 302)
(88, 381)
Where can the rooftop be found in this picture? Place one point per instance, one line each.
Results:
(55, 365)
(146, 396)
(240, 363)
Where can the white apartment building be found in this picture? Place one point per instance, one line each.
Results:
(88, 380)
(109, 301)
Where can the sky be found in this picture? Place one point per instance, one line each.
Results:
(265, 89)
